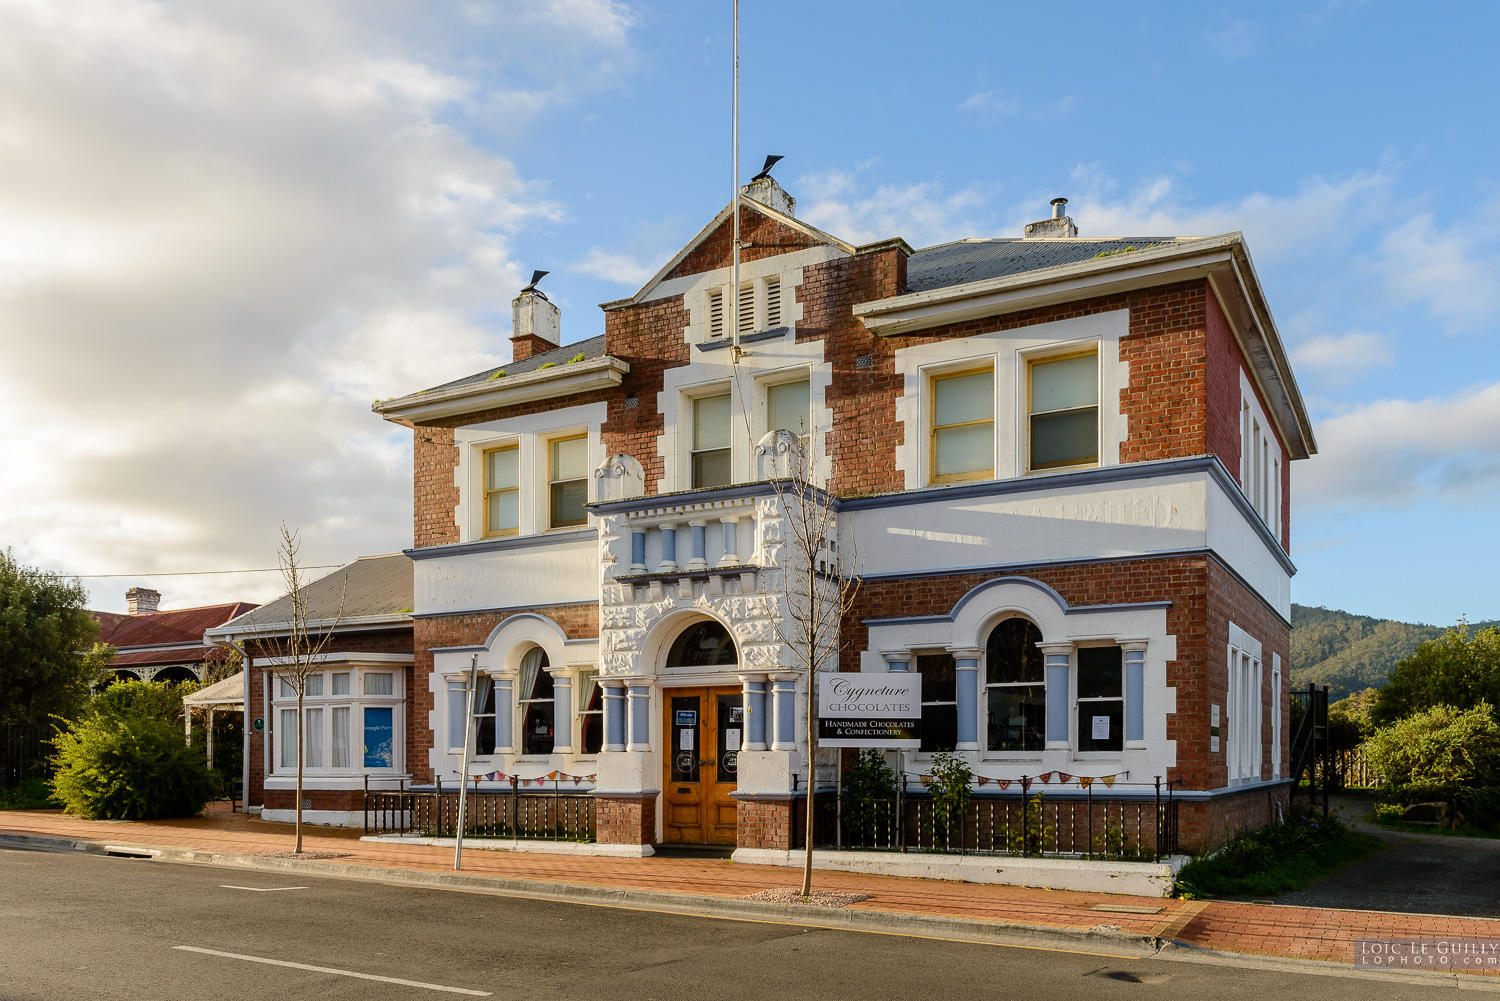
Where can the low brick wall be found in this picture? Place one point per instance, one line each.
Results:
(628, 821)
(765, 823)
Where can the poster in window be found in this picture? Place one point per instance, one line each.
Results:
(731, 739)
(687, 717)
(1101, 728)
(685, 739)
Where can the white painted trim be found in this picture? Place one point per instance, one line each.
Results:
(1141, 879)
(342, 657)
(541, 384)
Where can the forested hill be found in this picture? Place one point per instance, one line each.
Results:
(1350, 652)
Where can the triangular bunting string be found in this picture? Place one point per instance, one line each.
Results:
(1085, 781)
(1046, 777)
(1003, 783)
(1109, 780)
(1063, 777)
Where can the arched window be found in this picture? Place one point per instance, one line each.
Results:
(703, 644)
(1015, 688)
(535, 687)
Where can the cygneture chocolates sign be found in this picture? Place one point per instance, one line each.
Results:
(870, 710)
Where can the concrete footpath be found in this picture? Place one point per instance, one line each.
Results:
(1247, 933)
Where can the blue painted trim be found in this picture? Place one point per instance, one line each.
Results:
(500, 545)
(974, 592)
(713, 345)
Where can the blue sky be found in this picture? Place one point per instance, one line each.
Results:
(225, 228)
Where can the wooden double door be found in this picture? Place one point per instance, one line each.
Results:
(705, 727)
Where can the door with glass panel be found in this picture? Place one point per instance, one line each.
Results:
(706, 726)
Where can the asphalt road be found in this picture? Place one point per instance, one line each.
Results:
(79, 927)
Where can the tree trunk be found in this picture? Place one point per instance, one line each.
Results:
(812, 786)
(300, 758)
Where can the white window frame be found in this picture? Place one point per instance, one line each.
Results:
(547, 481)
(1244, 702)
(1059, 352)
(782, 377)
(533, 435)
(931, 376)
(356, 702)
(1075, 724)
(1261, 459)
(687, 414)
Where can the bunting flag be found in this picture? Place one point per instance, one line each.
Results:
(1045, 777)
(983, 781)
(1004, 783)
(924, 779)
(1109, 780)
(1063, 777)
(1085, 781)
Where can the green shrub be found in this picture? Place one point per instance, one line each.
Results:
(160, 700)
(1441, 746)
(27, 794)
(1476, 805)
(949, 787)
(1274, 859)
(110, 767)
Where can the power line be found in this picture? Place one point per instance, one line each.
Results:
(200, 573)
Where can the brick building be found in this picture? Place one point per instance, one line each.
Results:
(356, 704)
(155, 645)
(1062, 463)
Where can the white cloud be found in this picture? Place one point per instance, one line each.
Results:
(612, 267)
(1452, 271)
(1340, 359)
(988, 105)
(1239, 40)
(922, 213)
(1397, 453)
(224, 230)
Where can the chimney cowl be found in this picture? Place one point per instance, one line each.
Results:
(1059, 227)
(142, 600)
(766, 191)
(536, 325)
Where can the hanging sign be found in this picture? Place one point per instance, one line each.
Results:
(870, 709)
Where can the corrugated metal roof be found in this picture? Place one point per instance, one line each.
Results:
(371, 585)
(590, 349)
(976, 260)
(230, 689)
(181, 625)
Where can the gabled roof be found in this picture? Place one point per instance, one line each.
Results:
(589, 349)
(747, 203)
(181, 625)
(371, 590)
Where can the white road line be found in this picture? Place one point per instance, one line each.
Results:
(260, 889)
(329, 969)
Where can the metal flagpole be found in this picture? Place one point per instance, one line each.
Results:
(734, 294)
(463, 776)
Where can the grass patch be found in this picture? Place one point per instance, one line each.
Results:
(28, 794)
(1274, 859)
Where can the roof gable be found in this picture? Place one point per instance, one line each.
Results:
(764, 232)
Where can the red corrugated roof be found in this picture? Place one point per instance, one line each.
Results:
(183, 656)
(182, 625)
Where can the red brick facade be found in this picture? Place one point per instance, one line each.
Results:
(625, 821)
(765, 823)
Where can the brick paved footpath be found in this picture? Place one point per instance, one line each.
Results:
(1255, 929)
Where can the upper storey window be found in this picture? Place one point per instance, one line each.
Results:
(787, 409)
(711, 466)
(568, 482)
(1063, 412)
(1260, 465)
(963, 426)
(502, 491)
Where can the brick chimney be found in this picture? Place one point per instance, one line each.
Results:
(142, 600)
(1060, 226)
(766, 191)
(536, 325)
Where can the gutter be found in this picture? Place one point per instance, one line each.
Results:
(566, 379)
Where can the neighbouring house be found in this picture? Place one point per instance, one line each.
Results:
(1063, 462)
(157, 645)
(357, 705)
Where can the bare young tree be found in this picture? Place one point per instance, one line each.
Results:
(819, 584)
(297, 647)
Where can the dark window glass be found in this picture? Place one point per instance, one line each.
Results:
(685, 738)
(484, 725)
(593, 722)
(1012, 655)
(731, 719)
(1017, 717)
(939, 705)
(704, 644)
(536, 722)
(1099, 674)
(1101, 706)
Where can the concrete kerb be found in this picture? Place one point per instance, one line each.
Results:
(1099, 940)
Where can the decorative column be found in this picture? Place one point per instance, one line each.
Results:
(966, 678)
(731, 557)
(639, 734)
(897, 660)
(755, 712)
(699, 560)
(1058, 658)
(504, 717)
(614, 714)
(637, 549)
(783, 711)
(562, 711)
(1135, 690)
(668, 562)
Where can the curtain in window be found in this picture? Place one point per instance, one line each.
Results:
(531, 665)
(313, 732)
(340, 737)
(484, 712)
(587, 682)
(288, 739)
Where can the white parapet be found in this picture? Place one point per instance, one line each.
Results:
(1140, 879)
(520, 845)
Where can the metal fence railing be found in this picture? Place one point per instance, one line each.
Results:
(25, 753)
(546, 815)
(1035, 825)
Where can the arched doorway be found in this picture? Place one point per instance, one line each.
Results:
(703, 727)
